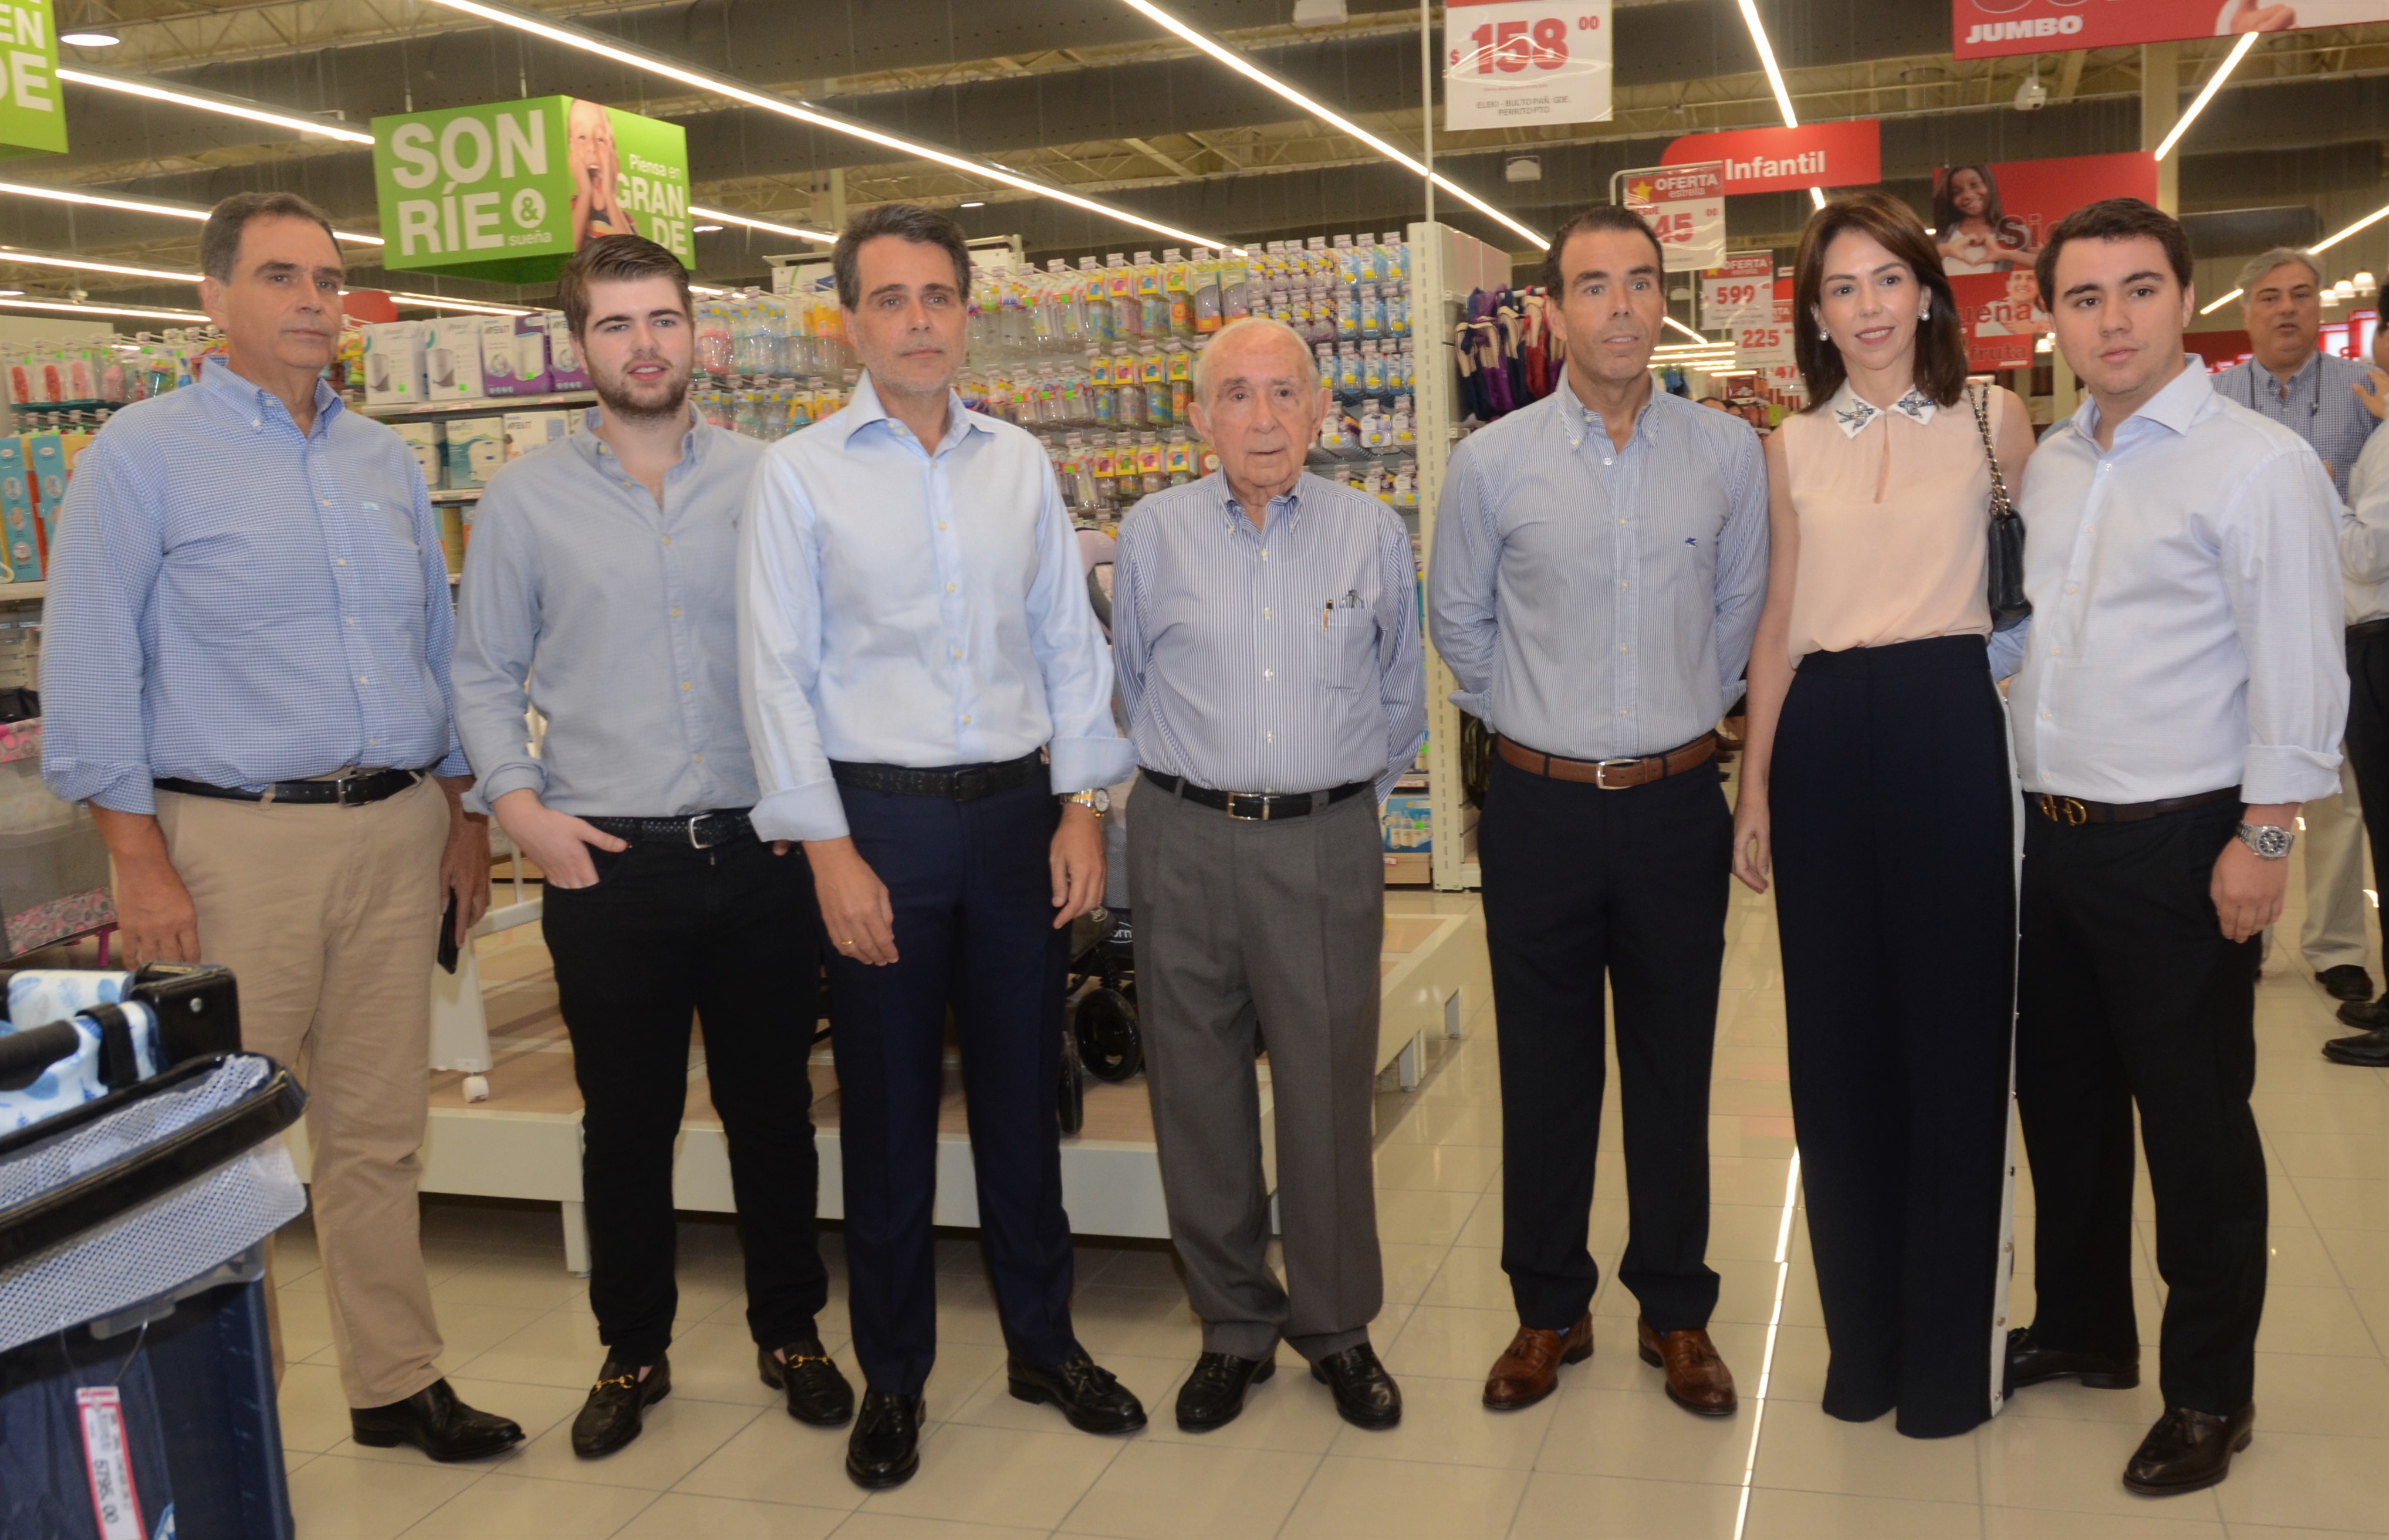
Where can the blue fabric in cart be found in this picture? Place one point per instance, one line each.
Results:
(74, 1081)
(160, 1245)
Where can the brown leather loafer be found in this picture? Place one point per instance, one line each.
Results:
(1697, 1378)
(1529, 1369)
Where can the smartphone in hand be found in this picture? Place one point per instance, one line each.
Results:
(448, 951)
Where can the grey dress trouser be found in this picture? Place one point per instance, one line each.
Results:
(1283, 921)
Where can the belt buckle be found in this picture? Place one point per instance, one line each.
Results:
(2068, 810)
(1260, 816)
(694, 842)
(346, 780)
(970, 786)
(1600, 774)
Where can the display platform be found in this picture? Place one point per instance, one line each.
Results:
(523, 1140)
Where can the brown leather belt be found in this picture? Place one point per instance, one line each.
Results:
(2073, 811)
(1611, 775)
(2365, 630)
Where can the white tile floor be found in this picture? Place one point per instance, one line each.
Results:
(1607, 1456)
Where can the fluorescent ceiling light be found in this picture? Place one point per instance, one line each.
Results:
(2213, 305)
(1817, 196)
(2181, 124)
(90, 39)
(79, 265)
(141, 206)
(1689, 332)
(974, 203)
(798, 231)
(434, 301)
(1336, 121)
(211, 101)
(587, 42)
(704, 229)
(2370, 219)
(101, 310)
(700, 289)
(1774, 78)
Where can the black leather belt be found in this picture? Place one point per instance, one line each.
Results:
(1255, 807)
(698, 830)
(2364, 628)
(348, 789)
(953, 783)
(2074, 811)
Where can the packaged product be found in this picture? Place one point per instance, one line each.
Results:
(21, 543)
(564, 370)
(394, 363)
(452, 359)
(429, 443)
(476, 447)
(528, 430)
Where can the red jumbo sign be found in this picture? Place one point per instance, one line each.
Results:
(1777, 159)
(1990, 29)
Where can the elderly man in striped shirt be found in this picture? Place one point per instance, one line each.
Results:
(1266, 628)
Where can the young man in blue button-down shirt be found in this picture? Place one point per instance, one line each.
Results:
(247, 600)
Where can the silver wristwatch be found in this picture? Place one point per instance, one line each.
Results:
(2268, 840)
(1099, 799)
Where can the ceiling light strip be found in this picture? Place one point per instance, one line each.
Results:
(209, 101)
(2213, 305)
(2232, 62)
(142, 205)
(2369, 220)
(64, 308)
(1336, 121)
(798, 231)
(81, 265)
(439, 302)
(1774, 78)
(569, 36)
(1704, 341)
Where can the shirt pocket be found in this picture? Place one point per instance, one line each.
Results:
(385, 530)
(1347, 644)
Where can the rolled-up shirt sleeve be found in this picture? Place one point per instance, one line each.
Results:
(1461, 581)
(1741, 581)
(1086, 749)
(1401, 664)
(497, 632)
(104, 565)
(2280, 570)
(779, 659)
(2364, 529)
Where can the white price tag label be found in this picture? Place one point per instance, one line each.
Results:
(107, 1461)
(1739, 293)
(1508, 63)
(1767, 344)
(1685, 208)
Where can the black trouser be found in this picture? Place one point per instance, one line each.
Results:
(2129, 993)
(1579, 882)
(2367, 739)
(1894, 857)
(730, 934)
(975, 935)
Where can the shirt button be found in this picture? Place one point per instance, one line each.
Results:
(1621, 649)
(1264, 553)
(2044, 716)
(360, 679)
(958, 651)
(1604, 462)
(256, 421)
(699, 757)
(339, 561)
(1267, 613)
(1271, 736)
(686, 685)
(323, 502)
(1621, 712)
(1269, 673)
(347, 619)
(941, 524)
(2071, 587)
(966, 721)
(949, 587)
(675, 614)
(373, 740)
(667, 539)
(1625, 585)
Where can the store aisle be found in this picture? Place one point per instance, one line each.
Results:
(1606, 1456)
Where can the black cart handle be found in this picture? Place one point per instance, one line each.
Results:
(24, 1055)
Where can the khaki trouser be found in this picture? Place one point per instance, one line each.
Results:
(328, 918)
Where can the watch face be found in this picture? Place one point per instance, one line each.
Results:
(1103, 799)
(2271, 843)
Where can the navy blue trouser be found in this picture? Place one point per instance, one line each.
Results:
(973, 899)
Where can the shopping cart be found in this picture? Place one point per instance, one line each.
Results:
(136, 1380)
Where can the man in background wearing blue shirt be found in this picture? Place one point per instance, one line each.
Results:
(923, 677)
(1266, 628)
(246, 675)
(599, 591)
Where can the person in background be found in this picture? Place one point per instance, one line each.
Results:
(921, 679)
(1972, 232)
(245, 673)
(2373, 388)
(1599, 561)
(2182, 692)
(1877, 769)
(1266, 625)
(2315, 396)
(599, 591)
(2364, 581)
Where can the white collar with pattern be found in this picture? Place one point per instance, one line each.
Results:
(1854, 413)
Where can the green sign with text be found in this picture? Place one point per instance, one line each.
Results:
(32, 117)
(509, 190)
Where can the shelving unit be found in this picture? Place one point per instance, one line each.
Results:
(481, 404)
(1445, 267)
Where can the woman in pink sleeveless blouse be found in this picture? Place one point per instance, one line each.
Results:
(1876, 785)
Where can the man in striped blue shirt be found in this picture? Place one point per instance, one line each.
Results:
(1266, 626)
(247, 677)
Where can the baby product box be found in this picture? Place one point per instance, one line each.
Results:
(394, 363)
(452, 362)
(476, 448)
(72, 443)
(527, 336)
(564, 370)
(1406, 824)
(528, 430)
(498, 356)
(21, 543)
(429, 442)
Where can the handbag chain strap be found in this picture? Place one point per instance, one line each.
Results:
(2002, 506)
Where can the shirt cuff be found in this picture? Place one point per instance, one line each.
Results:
(519, 777)
(1082, 763)
(2282, 773)
(1474, 701)
(121, 788)
(1387, 782)
(813, 811)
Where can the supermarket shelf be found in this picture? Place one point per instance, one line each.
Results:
(22, 593)
(455, 494)
(478, 403)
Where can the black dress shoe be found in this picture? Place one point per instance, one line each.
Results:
(616, 1405)
(1365, 1393)
(818, 1394)
(2031, 1364)
(2367, 1049)
(1088, 1394)
(1214, 1393)
(436, 1422)
(2347, 982)
(2366, 1015)
(2188, 1450)
(884, 1448)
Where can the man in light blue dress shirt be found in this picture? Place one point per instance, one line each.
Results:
(923, 677)
(246, 674)
(1266, 623)
(1600, 559)
(599, 591)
